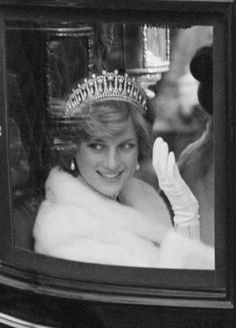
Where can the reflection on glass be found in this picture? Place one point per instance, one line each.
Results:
(68, 51)
(105, 201)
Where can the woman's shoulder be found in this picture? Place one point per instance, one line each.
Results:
(63, 187)
(145, 198)
(138, 188)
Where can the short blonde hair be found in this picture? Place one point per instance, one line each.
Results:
(103, 120)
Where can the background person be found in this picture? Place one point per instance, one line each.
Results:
(196, 161)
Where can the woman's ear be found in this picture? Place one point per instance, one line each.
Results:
(72, 165)
(137, 166)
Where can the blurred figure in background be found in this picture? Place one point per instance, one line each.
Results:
(183, 108)
(177, 116)
(179, 119)
(196, 161)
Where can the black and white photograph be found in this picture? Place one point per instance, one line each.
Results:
(117, 136)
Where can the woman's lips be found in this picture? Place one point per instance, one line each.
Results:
(110, 176)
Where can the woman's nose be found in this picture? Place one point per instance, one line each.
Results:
(112, 159)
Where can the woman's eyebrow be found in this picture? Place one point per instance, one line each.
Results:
(94, 138)
(129, 140)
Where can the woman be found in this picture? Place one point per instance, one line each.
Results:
(95, 209)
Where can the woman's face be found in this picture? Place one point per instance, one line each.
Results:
(106, 163)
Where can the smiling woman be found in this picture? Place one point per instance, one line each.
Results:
(110, 144)
(95, 209)
(107, 163)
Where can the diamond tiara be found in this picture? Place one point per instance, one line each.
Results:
(108, 86)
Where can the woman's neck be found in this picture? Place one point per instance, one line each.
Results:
(83, 180)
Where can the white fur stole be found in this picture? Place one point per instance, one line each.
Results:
(76, 223)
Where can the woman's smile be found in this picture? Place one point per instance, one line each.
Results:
(105, 163)
(109, 176)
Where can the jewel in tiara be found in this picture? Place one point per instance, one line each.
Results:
(108, 86)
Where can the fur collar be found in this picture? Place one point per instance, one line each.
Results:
(138, 216)
(78, 224)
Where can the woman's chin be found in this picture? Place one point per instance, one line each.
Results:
(111, 188)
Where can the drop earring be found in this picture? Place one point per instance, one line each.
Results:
(137, 167)
(72, 165)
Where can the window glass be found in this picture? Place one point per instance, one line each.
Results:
(174, 68)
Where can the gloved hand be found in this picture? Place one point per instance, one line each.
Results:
(184, 204)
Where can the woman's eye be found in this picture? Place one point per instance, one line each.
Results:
(96, 146)
(127, 146)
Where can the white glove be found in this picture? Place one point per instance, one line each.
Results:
(184, 204)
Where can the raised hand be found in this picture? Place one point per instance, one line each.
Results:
(184, 204)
